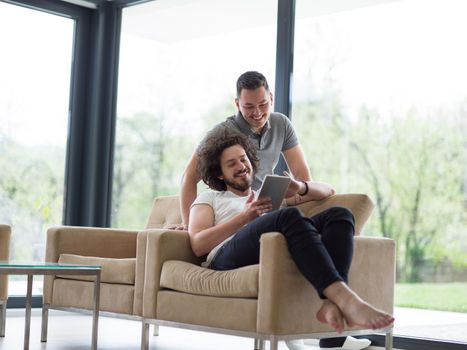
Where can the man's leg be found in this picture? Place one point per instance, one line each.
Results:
(312, 259)
(303, 240)
(336, 226)
(344, 343)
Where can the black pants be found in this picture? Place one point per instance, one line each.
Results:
(321, 246)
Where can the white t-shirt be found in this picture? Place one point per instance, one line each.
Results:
(225, 205)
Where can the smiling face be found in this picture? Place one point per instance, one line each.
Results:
(236, 168)
(255, 106)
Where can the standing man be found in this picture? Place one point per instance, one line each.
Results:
(273, 134)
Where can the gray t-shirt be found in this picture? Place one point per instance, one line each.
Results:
(277, 136)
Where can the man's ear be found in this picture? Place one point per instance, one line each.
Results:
(237, 103)
(271, 97)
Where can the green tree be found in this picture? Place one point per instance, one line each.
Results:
(407, 165)
(31, 194)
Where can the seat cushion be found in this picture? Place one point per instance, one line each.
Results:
(80, 294)
(119, 271)
(189, 278)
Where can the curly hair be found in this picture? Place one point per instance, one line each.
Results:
(210, 151)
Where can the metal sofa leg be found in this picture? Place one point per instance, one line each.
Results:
(156, 330)
(144, 335)
(259, 344)
(45, 322)
(2, 318)
(388, 340)
(273, 343)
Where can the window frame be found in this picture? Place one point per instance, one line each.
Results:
(92, 117)
(92, 105)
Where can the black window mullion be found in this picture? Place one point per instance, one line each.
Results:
(92, 134)
(284, 64)
(284, 56)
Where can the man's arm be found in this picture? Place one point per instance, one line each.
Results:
(189, 191)
(297, 163)
(316, 191)
(204, 236)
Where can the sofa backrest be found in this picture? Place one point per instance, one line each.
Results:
(165, 210)
(359, 204)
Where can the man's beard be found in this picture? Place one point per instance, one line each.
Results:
(240, 185)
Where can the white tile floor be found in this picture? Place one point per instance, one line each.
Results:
(449, 326)
(71, 331)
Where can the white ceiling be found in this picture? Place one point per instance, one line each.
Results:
(175, 20)
(85, 3)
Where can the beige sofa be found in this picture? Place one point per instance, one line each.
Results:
(153, 276)
(5, 235)
(121, 253)
(270, 301)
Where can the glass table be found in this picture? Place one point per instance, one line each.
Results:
(31, 269)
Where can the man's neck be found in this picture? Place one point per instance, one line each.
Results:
(257, 130)
(238, 192)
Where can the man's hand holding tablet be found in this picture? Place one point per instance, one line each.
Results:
(274, 187)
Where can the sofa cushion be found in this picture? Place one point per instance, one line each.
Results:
(189, 278)
(121, 271)
(80, 294)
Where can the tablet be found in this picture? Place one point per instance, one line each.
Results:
(274, 187)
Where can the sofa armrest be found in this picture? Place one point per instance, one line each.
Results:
(5, 235)
(360, 205)
(287, 303)
(90, 241)
(163, 245)
(373, 271)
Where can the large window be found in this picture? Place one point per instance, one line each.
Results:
(34, 93)
(179, 63)
(380, 102)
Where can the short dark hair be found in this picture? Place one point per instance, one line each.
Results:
(251, 80)
(210, 151)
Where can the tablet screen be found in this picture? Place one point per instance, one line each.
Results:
(274, 187)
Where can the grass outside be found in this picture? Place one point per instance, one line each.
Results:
(432, 296)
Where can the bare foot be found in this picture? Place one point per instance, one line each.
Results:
(359, 313)
(330, 314)
(356, 311)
